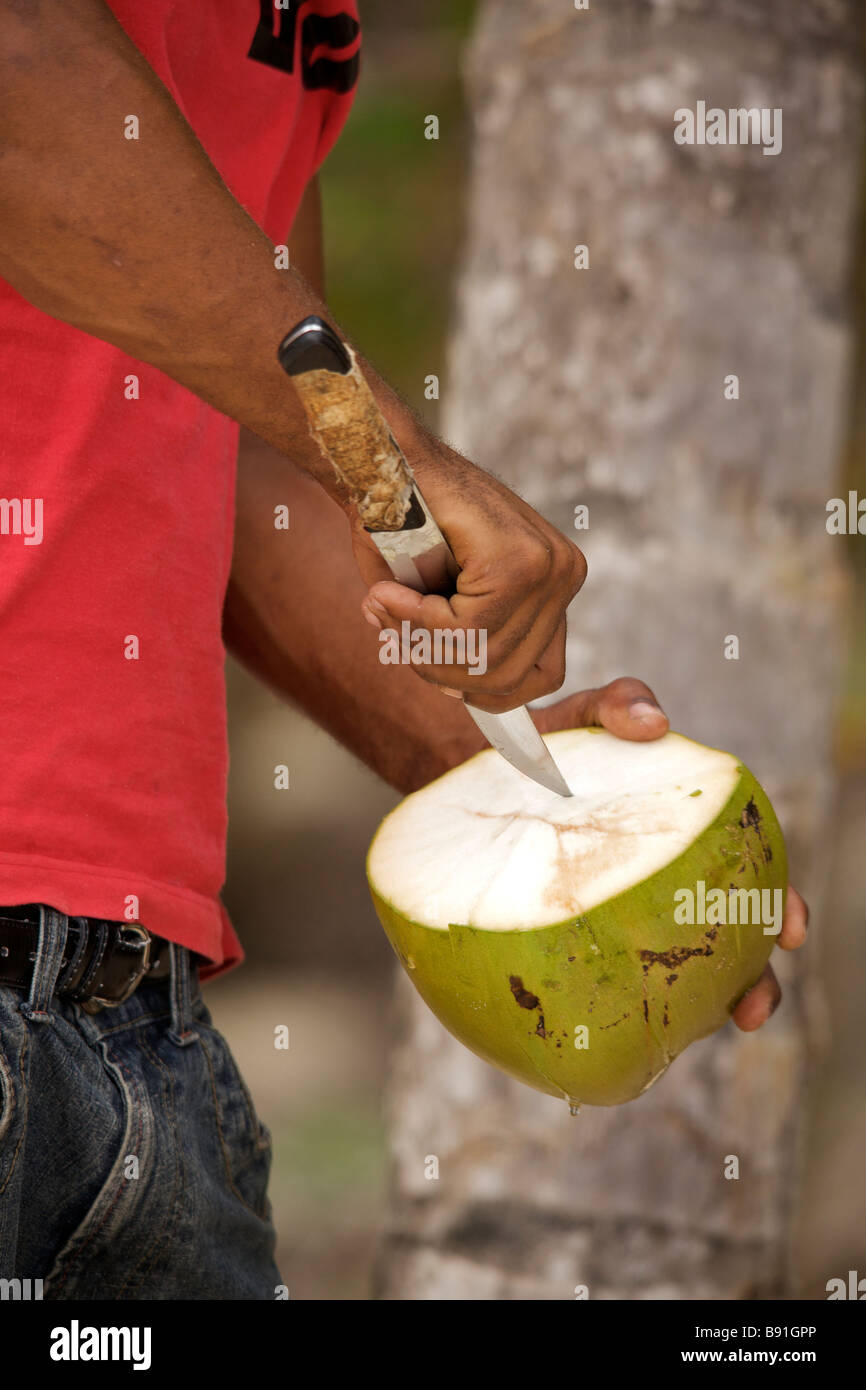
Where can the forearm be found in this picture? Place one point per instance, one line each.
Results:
(138, 241)
(293, 608)
(292, 615)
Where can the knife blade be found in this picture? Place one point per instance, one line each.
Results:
(346, 422)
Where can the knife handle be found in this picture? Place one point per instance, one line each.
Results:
(348, 426)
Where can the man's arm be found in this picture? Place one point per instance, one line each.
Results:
(140, 243)
(292, 615)
(273, 622)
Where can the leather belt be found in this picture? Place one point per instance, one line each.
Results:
(103, 962)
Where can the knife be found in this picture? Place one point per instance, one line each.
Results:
(347, 424)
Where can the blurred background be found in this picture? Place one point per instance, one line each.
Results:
(317, 959)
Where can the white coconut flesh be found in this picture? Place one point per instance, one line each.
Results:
(486, 847)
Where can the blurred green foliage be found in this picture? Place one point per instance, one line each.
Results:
(393, 199)
(331, 1150)
(453, 18)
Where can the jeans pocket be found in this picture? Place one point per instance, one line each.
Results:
(245, 1142)
(121, 1155)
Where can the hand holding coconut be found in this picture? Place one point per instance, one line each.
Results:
(628, 708)
(581, 945)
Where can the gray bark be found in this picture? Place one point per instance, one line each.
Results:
(707, 518)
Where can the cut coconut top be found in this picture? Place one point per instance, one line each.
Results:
(486, 847)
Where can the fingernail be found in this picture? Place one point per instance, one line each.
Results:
(643, 709)
(455, 694)
(374, 613)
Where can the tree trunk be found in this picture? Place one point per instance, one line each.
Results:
(606, 387)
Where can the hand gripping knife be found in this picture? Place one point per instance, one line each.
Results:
(351, 431)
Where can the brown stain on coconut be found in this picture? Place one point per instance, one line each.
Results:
(527, 1000)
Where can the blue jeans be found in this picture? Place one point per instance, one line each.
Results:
(132, 1162)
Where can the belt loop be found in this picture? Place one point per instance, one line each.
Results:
(77, 937)
(181, 1031)
(53, 926)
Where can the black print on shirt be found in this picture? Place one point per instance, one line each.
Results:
(274, 44)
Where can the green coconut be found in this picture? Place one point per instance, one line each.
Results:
(580, 944)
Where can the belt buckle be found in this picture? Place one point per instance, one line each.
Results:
(135, 978)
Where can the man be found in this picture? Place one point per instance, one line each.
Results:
(150, 158)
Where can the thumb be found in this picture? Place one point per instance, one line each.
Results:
(625, 707)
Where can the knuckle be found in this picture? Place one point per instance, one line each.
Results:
(569, 561)
(628, 688)
(535, 562)
(621, 686)
(577, 568)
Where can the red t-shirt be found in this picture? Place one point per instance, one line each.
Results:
(117, 514)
